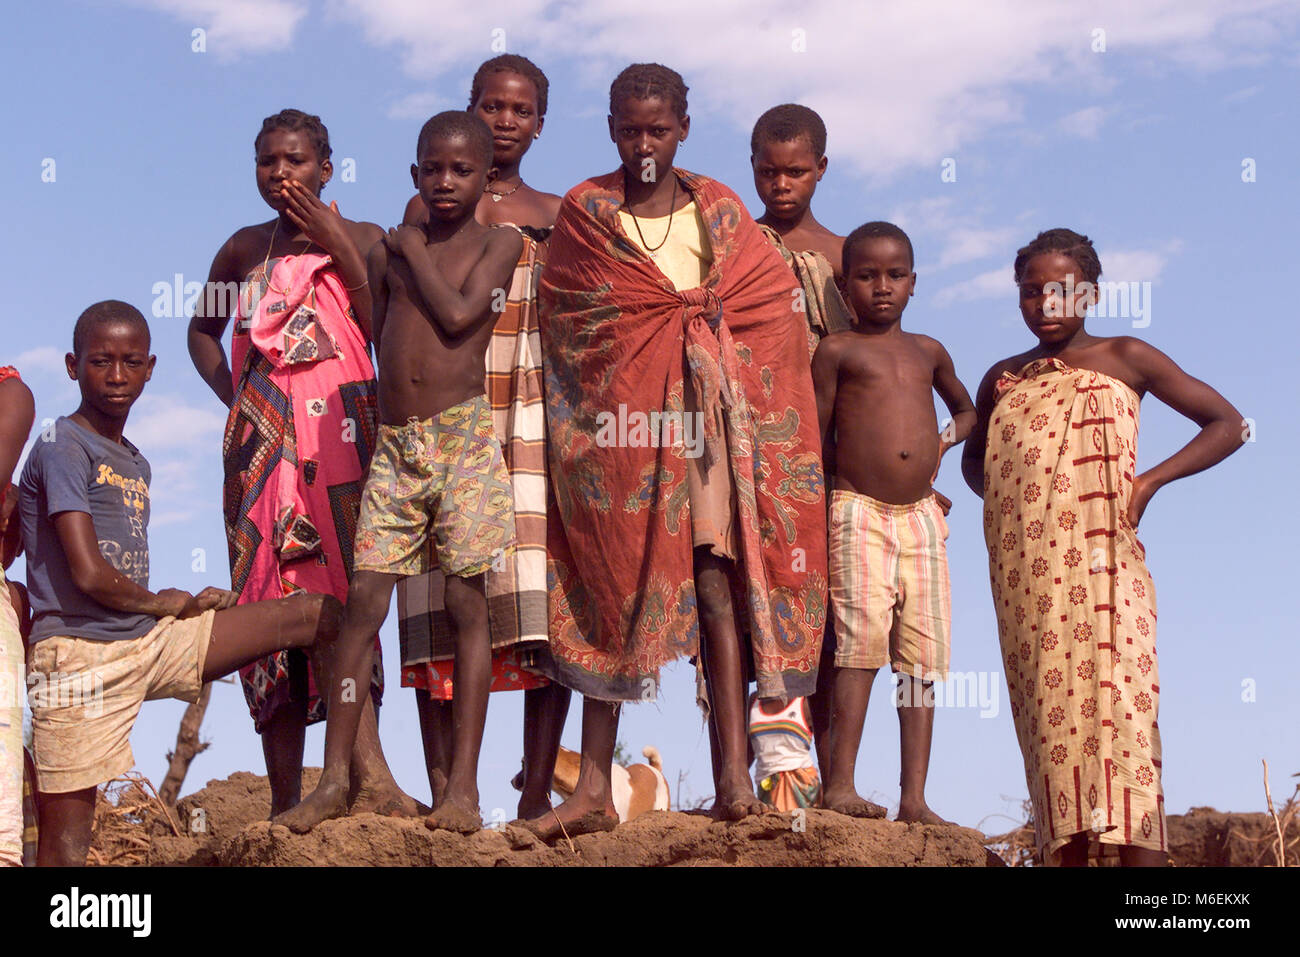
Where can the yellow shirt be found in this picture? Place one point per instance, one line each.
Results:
(685, 256)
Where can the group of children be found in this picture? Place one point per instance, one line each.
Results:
(529, 555)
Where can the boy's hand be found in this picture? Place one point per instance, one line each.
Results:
(405, 241)
(944, 501)
(216, 598)
(174, 602)
(322, 224)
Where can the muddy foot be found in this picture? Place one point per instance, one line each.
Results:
(921, 815)
(593, 822)
(852, 805)
(437, 786)
(452, 817)
(736, 804)
(326, 802)
(529, 809)
(572, 817)
(387, 801)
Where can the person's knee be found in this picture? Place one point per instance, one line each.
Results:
(367, 600)
(315, 617)
(714, 597)
(329, 616)
(465, 604)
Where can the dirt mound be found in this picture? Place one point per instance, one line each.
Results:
(228, 826)
(1204, 837)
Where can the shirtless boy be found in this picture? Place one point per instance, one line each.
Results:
(437, 479)
(788, 155)
(102, 642)
(888, 561)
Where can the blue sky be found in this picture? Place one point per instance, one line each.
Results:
(1141, 145)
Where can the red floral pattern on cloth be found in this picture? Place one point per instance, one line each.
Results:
(1084, 710)
(616, 333)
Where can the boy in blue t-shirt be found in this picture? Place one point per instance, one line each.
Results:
(102, 642)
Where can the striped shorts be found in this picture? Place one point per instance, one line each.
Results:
(890, 596)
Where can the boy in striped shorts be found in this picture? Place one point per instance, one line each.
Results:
(888, 562)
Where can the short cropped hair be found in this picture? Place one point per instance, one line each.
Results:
(644, 81)
(786, 123)
(875, 230)
(510, 63)
(1066, 242)
(108, 312)
(296, 121)
(456, 124)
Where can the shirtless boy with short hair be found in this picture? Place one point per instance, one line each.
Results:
(788, 156)
(888, 563)
(438, 479)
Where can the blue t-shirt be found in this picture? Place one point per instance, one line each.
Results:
(72, 469)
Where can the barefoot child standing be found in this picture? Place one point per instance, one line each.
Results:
(788, 156)
(1054, 456)
(662, 301)
(438, 478)
(888, 562)
(508, 93)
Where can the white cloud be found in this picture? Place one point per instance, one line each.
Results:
(902, 85)
(1118, 265)
(1243, 94)
(418, 106)
(235, 27)
(161, 421)
(1085, 123)
(41, 361)
(969, 244)
(1136, 265)
(960, 236)
(994, 284)
(923, 79)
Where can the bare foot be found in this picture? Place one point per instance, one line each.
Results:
(387, 801)
(574, 816)
(450, 816)
(531, 807)
(848, 802)
(326, 802)
(276, 811)
(919, 814)
(438, 786)
(737, 803)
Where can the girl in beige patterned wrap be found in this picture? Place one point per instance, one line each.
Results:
(1054, 455)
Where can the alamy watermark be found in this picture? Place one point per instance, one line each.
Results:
(654, 429)
(969, 689)
(1104, 299)
(84, 689)
(177, 299)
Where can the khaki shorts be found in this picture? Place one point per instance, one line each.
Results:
(889, 585)
(85, 695)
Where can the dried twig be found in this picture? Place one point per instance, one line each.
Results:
(188, 746)
(1277, 823)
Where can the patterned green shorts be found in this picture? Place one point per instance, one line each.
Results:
(437, 488)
